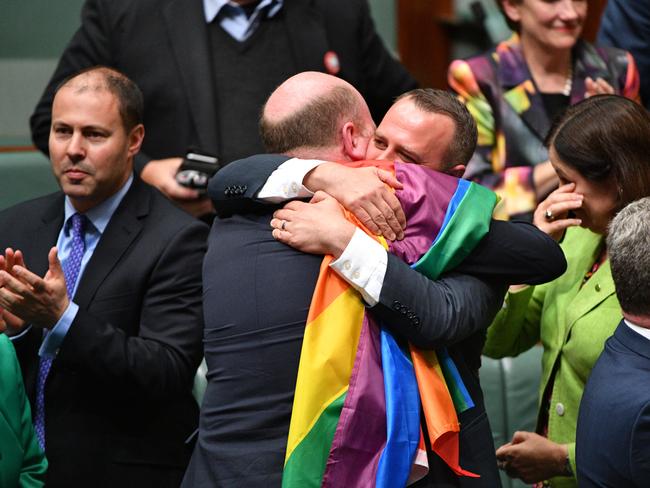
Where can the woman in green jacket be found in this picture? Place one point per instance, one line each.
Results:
(22, 463)
(600, 150)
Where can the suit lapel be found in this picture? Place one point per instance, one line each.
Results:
(188, 34)
(597, 289)
(45, 236)
(519, 91)
(307, 34)
(123, 228)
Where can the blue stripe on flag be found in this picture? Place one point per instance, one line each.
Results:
(402, 415)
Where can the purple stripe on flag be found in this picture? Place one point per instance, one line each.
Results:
(424, 199)
(361, 432)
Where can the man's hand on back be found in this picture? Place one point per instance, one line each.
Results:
(318, 227)
(363, 192)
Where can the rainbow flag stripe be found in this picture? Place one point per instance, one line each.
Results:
(356, 413)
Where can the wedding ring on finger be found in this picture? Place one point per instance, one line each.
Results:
(548, 215)
(284, 223)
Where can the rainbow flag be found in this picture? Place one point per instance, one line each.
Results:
(356, 412)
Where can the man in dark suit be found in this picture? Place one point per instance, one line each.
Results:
(206, 67)
(107, 324)
(626, 24)
(255, 318)
(613, 436)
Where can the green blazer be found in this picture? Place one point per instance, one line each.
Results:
(572, 324)
(22, 463)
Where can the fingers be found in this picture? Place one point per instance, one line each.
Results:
(520, 436)
(597, 87)
(388, 178)
(321, 196)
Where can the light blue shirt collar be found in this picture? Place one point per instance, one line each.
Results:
(100, 215)
(211, 8)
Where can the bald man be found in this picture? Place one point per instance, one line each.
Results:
(257, 293)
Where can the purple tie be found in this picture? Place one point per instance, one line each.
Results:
(71, 272)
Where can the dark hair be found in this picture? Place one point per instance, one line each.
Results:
(128, 95)
(628, 242)
(314, 125)
(606, 136)
(442, 102)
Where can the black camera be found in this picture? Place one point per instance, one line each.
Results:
(196, 169)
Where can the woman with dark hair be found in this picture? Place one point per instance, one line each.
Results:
(600, 150)
(516, 90)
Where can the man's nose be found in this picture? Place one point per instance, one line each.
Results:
(76, 149)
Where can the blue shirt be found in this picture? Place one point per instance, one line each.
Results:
(98, 218)
(233, 18)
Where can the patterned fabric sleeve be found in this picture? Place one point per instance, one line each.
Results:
(513, 184)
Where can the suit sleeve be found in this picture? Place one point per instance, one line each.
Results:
(234, 187)
(516, 328)
(90, 46)
(162, 358)
(470, 83)
(515, 252)
(33, 464)
(639, 452)
(436, 313)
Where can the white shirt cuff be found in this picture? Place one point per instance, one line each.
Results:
(285, 183)
(363, 265)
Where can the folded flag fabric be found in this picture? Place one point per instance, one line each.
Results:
(359, 392)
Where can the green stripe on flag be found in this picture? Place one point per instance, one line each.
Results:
(467, 226)
(306, 465)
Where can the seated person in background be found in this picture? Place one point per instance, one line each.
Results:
(22, 462)
(613, 437)
(108, 322)
(516, 90)
(206, 67)
(599, 150)
(255, 324)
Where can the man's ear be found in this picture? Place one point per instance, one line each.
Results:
(355, 143)
(456, 171)
(136, 136)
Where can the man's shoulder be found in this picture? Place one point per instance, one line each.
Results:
(26, 212)
(161, 213)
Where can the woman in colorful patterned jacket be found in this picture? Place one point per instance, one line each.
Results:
(600, 150)
(516, 90)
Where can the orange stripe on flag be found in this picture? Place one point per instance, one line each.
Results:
(438, 407)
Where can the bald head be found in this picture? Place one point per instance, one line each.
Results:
(103, 79)
(308, 112)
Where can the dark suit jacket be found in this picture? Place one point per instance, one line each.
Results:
(613, 436)
(626, 24)
(118, 396)
(253, 335)
(163, 45)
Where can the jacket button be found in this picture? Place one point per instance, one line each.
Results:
(597, 287)
(397, 305)
(416, 321)
(559, 409)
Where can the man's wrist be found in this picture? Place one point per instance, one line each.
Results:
(318, 178)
